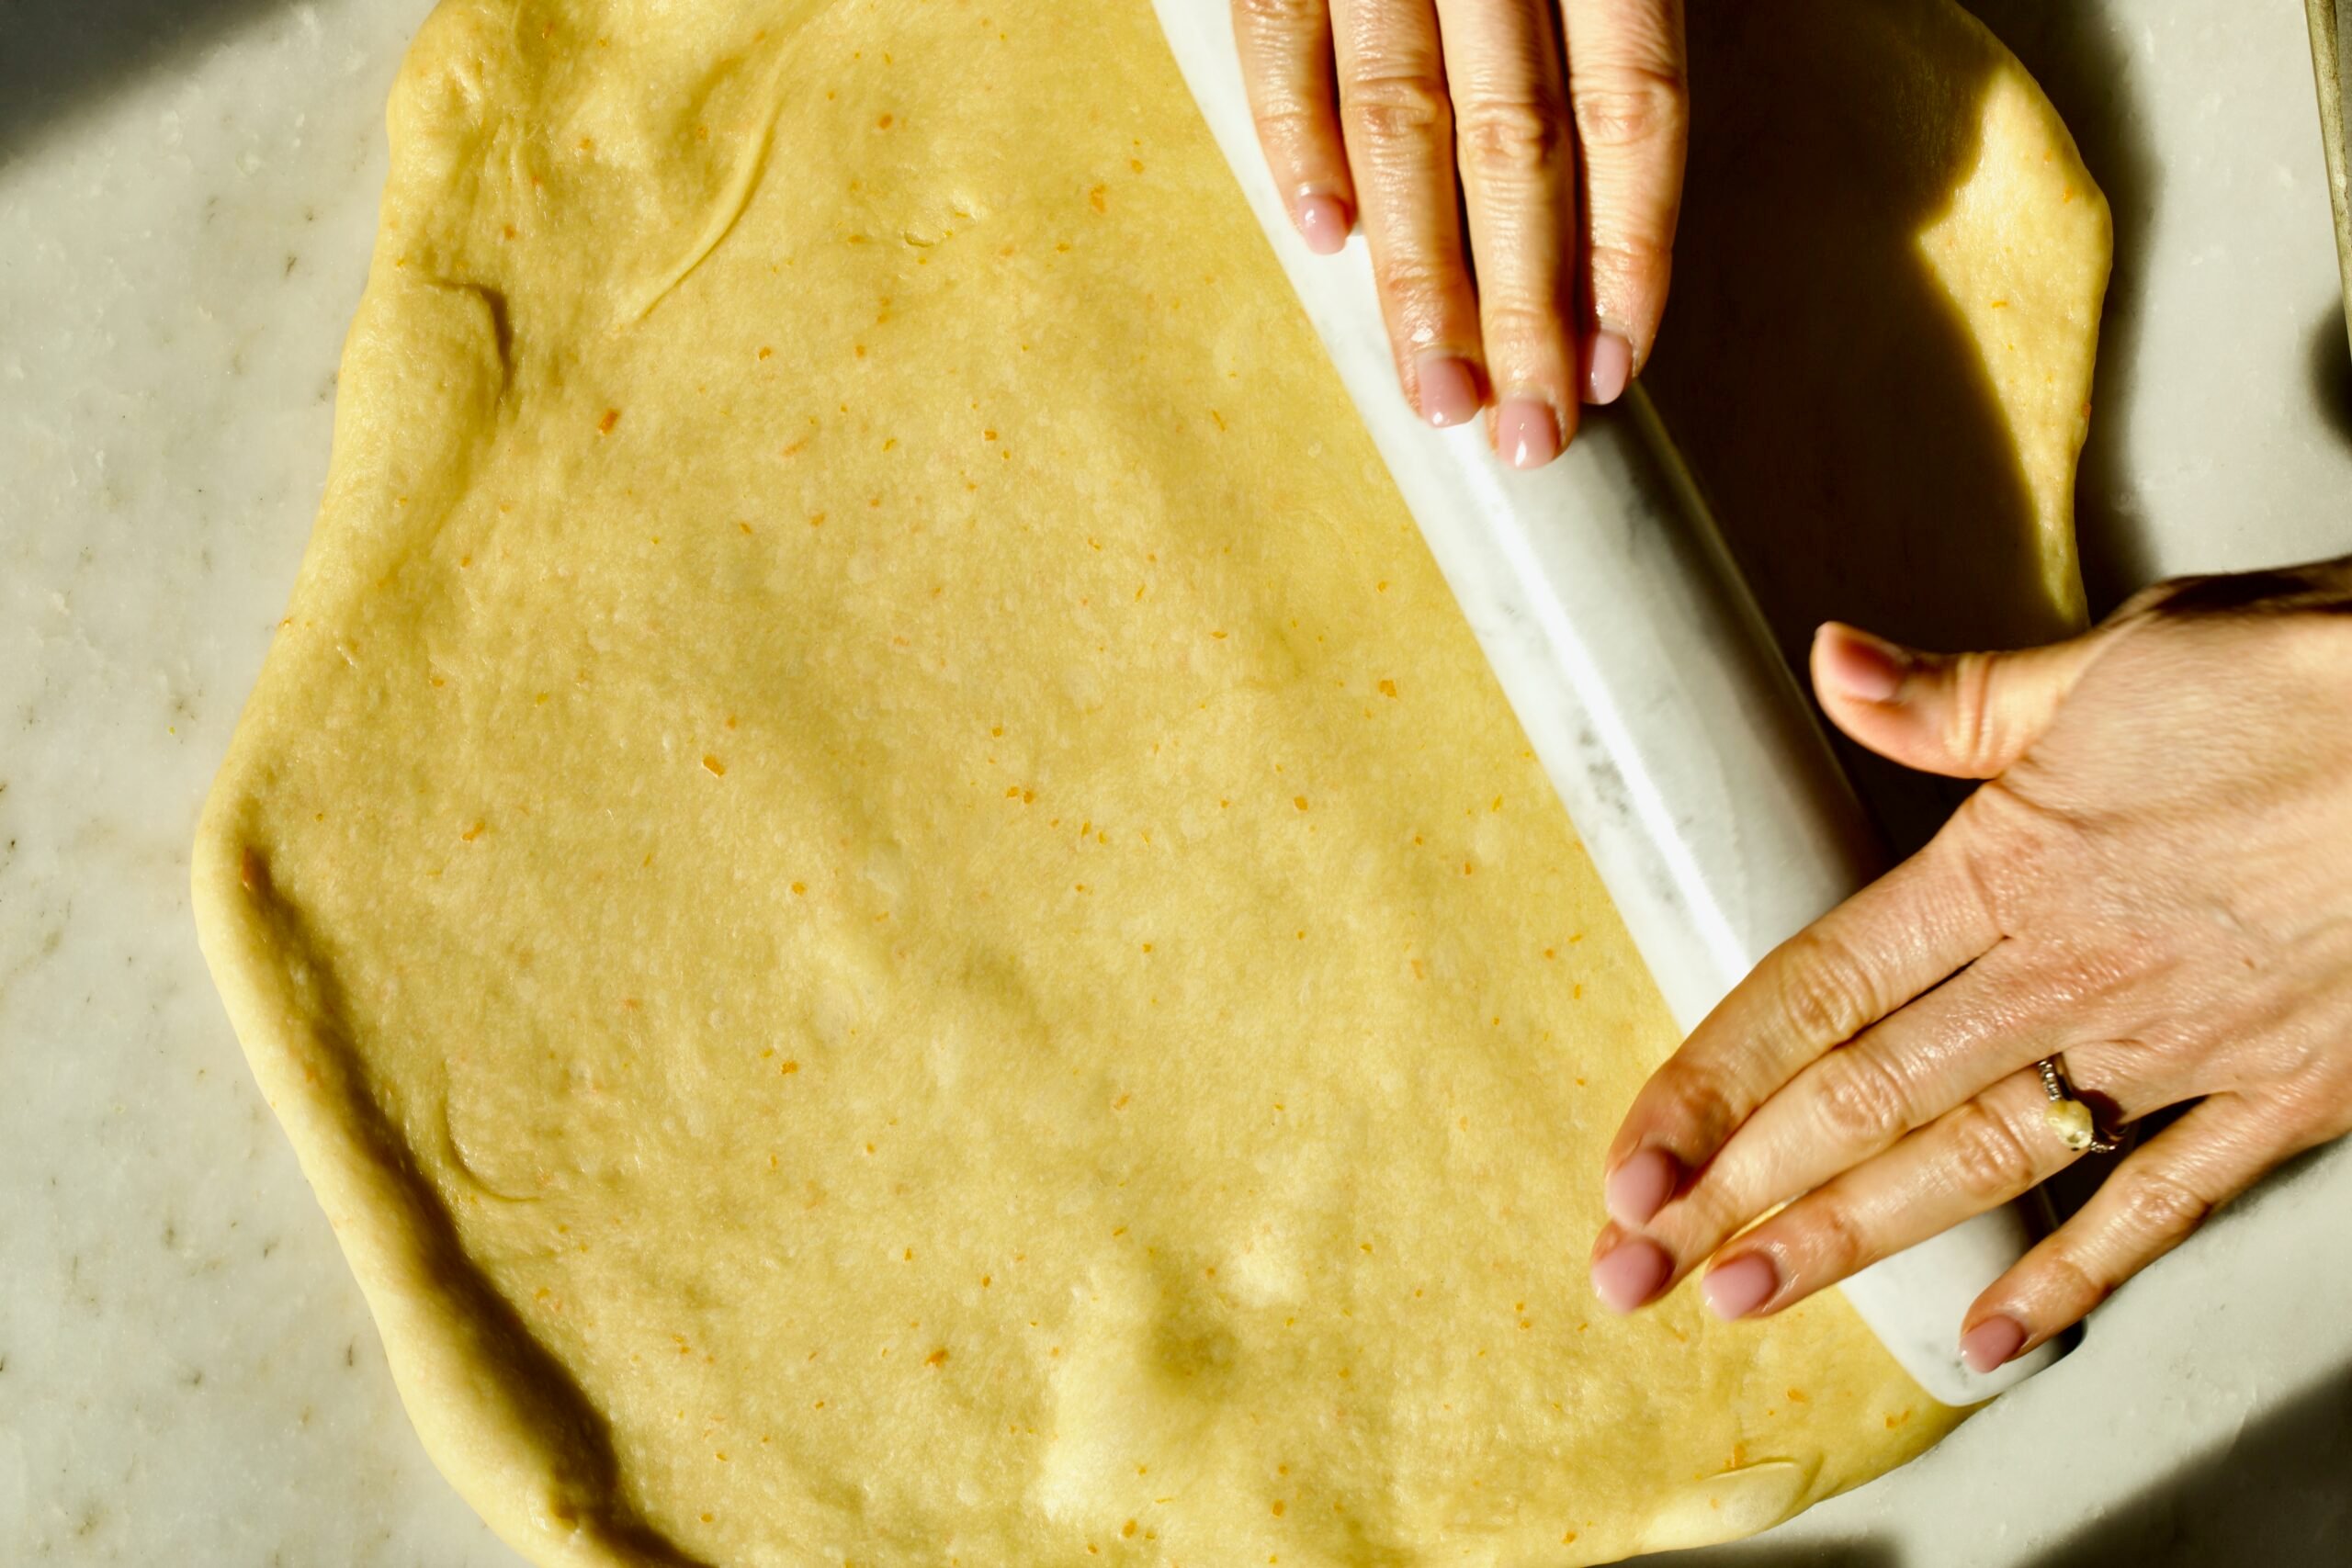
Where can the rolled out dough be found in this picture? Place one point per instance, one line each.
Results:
(876, 882)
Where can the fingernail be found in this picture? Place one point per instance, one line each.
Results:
(1991, 1343)
(1323, 222)
(1630, 1274)
(1864, 667)
(1637, 1189)
(1740, 1286)
(1526, 433)
(1449, 393)
(1610, 366)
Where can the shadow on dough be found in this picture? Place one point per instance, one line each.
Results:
(1815, 371)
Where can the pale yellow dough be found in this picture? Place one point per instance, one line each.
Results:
(890, 908)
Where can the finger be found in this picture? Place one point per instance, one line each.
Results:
(1975, 1157)
(2160, 1193)
(1952, 1044)
(1398, 127)
(1285, 48)
(1510, 113)
(1896, 938)
(1965, 715)
(1626, 66)
(1628, 1270)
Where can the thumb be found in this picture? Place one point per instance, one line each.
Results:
(1965, 715)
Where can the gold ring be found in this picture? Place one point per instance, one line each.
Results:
(2069, 1117)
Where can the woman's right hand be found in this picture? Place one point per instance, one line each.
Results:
(2152, 891)
(1367, 108)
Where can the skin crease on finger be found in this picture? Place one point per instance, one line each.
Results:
(1413, 116)
(2165, 845)
(1396, 122)
(1632, 112)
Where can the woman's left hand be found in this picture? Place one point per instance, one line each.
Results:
(2155, 881)
(1455, 131)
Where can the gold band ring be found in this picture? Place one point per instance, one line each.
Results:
(2069, 1117)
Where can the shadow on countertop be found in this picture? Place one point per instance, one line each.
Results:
(59, 56)
(2279, 1494)
(2327, 366)
(1765, 1553)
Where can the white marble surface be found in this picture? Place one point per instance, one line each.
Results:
(187, 1374)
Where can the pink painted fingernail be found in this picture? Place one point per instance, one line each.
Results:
(1610, 366)
(1526, 432)
(1740, 1286)
(1637, 1189)
(1449, 393)
(1323, 221)
(1630, 1274)
(1864, 667)
(1991, 1343)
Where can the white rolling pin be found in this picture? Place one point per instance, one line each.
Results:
(1647, 684)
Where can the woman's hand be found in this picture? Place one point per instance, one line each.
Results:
(2157, 881)
(1369, 108)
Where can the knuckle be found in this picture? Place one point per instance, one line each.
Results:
(1389, 108)
(1990, 1162)
(1411, 287)
(2162, 1207)
(1862, 1102)
(1839, 1242)
(1511, 138)
(1631, 106)
(1705, 1099)
(2074, 1282)
(1518, 327)
(1630, 279)
(1969, 718)
(2081, 976)
(1284, 122)
(1631, 263)
(1824, 992)
(2313, 1101)
(2008, 854)
(1279, 15)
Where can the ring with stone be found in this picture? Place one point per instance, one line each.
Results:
(2069, 1117)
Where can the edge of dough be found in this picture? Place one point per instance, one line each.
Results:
(495, 1412)
(527, 1466)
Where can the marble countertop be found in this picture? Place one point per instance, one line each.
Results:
(186, 1371)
